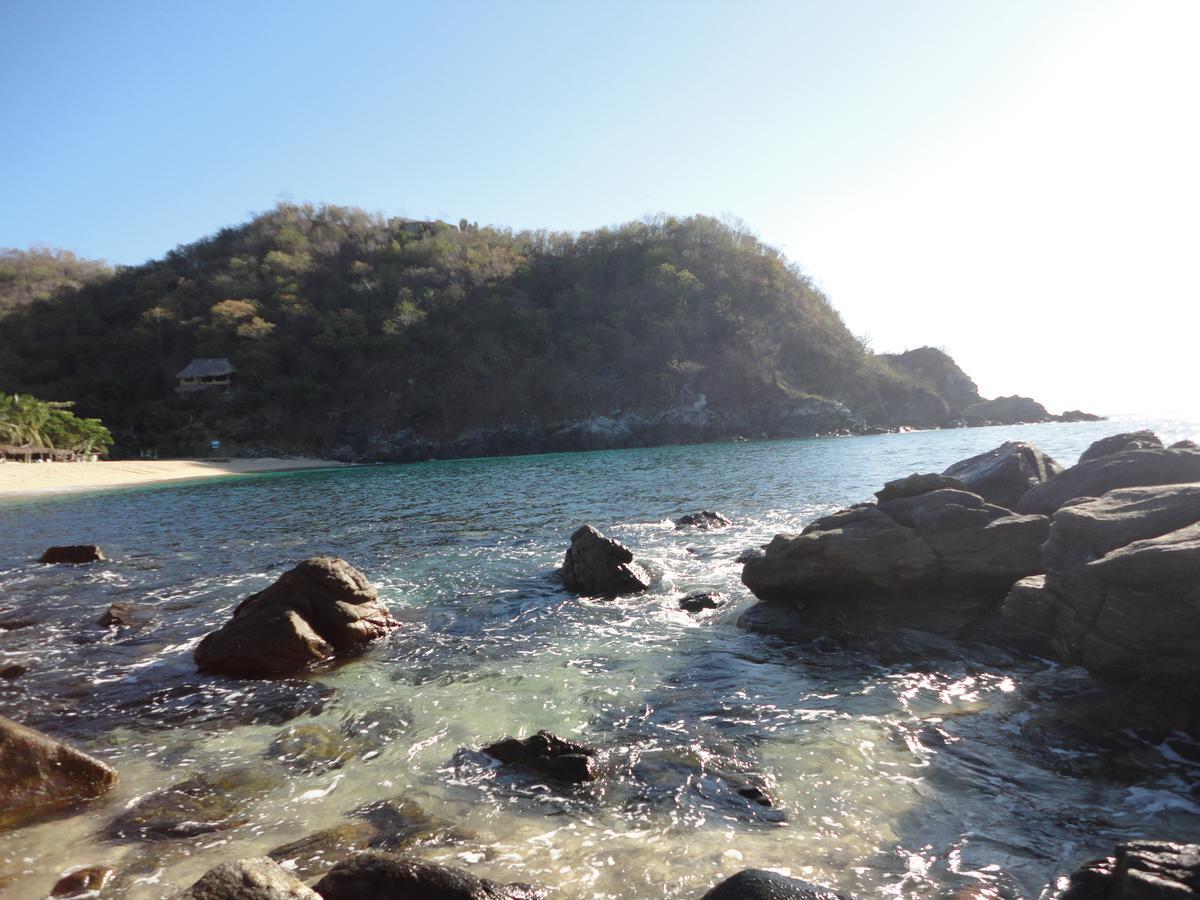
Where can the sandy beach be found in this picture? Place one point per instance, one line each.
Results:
(40, 478)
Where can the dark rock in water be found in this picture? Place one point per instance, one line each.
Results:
(77, 553)
(1121, 593)
(126, 615)
(321, 608)
(387, 825)
(90, 880)
(599, 566)
(1124, 469)
(249, 879)
(1014, 410)
(311, 748)
(1078, 415)
(915, 485)
(750, 553)
(1143, 870)
(1002, 476)
(389, 877)
(202, 804)
(547, 754)
(41, 775)
(760, 884)
(1116, 443)
(13, 671)
(934, 562)
(273, 702)
(705, 520)
(700, 601)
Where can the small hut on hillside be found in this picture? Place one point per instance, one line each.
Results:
(201, 374)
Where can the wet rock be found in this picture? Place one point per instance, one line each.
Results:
(88, 881)
(915, 484)
(1121, 593)
(126, 615)
(1149, 870)
(274, 702)
(13, 671)
(700, 601)
(1124, 469)
(77, 553)
(1002, 476)
(249, 879)
(321, 608)
(202, 804)
(1117, 443)
(933, 562)
(389, 877)
(310, 748)
(42, 775)
(387, 825)
(761, 884)
(548, 755)
(599, 566)
(705, 520)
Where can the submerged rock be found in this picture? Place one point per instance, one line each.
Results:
(1002, 476)
(89, 881)
(384, 875)
(547, 754)
(1124, 469)
(934, 561)
(705, 520)
(42, 775)
(761, 884)
(600, 566)
(201, 804)
(74, 554)
(700, 601)
(311, 748)
(13, 671)
(1117, 443)
(126, 615)
(249, 879)
(1144, 870)
(321, 608)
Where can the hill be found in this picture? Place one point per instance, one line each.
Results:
(376, 338)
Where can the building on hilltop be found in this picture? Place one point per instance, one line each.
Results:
(201, 374)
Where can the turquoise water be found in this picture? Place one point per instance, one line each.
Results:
(889, 780)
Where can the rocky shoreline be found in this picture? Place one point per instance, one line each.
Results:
(1095, 565)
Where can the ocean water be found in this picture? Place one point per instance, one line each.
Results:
(889, 780)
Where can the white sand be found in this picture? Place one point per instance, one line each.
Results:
(40, 478)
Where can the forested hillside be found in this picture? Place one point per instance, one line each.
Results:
(347, 327)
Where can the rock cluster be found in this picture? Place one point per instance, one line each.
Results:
(705, 520)
(600, 566)
(322, 608)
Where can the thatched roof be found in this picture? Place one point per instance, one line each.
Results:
(207, 368)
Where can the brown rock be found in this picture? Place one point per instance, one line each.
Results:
(599, 566)
(89, 880)
(77, 553)
(322, 608)
(42, 775)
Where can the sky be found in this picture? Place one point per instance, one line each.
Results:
(1015, 182)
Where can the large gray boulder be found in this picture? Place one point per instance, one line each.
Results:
(1002, 476)
(934, 561)
(1098, 476)
(600, 566)
(42, 775)
(1116, 443)
(320, 609)
(1121, 592)
(260, 878)
(1144, 870)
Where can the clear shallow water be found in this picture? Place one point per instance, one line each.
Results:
(889, 780)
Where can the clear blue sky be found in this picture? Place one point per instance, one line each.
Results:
(949, 172)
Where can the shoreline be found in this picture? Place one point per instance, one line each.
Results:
(38, 479)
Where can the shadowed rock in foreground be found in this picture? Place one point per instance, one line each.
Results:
(760, 884)
(40, 775)
(599, 566)
(1099, 475)
(249, 879)
(1144, 870)
(383, 875)
(322, 608)
(1002, 476)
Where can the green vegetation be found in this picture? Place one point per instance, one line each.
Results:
(339, 319)
(39, 273)
(28, 421)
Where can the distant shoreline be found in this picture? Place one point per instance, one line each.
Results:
(32, 479)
